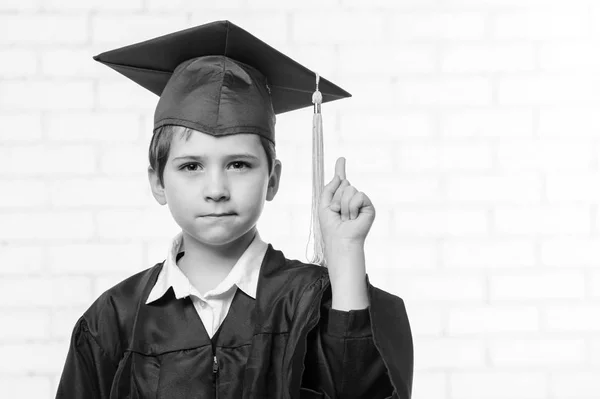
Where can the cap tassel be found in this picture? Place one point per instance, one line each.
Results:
(317, 178)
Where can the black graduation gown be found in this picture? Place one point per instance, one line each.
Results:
(288, 343)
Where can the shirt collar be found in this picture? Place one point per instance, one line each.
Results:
(243, 274)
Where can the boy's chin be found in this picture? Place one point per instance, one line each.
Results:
(217, 236)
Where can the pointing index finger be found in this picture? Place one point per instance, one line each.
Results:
(340, 167)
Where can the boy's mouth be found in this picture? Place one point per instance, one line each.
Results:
(218, 214)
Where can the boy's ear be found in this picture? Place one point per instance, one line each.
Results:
(274, 180)
(158, 191)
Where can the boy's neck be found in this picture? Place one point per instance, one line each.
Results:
(203, 260)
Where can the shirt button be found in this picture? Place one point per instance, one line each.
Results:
(202, 304)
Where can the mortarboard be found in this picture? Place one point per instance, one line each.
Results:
(219, 79)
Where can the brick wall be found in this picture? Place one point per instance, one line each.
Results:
(473, 128)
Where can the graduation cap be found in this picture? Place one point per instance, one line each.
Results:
(219, 79)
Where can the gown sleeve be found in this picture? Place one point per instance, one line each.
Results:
(343, 361)
(88, 372)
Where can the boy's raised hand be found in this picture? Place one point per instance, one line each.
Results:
(345, 214)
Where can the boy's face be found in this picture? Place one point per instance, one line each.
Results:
(216, 175)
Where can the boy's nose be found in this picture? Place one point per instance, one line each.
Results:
(216, 188)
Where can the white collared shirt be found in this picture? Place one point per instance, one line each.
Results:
(213, 305)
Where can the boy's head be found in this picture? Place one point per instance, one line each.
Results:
(197, 175)
(225, 87)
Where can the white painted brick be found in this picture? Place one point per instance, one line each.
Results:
(484, 254)
(45, 95)
(407, 254)
(425, 320)
(542, 220)
(555, 154)
(20, 5)
(575, 384)
(21, 325)
(387, 126)
(49, 292)
(104, 282)
(594, 285)
(349, 27)
(573, 188)
(406, 58)
(444, 91)
(33, 358)
(46, 226)
(63, 321)
(294, 128)
(43, 29)
(322, 59)
(510, 4)
(568, 122)
(23, 194)
(374, 93)
(443, 156)
(415, 157)
(493, 385)
(487, 58)
(541, 352)
(20, 126)
(269, 25)
(454, 353)
(111, 127)
(575, 317)
(492, 319)
(292, 5)
(465, 156)
(388, 4)
(278, 220)
(487, 123)
(68, 5)
(44, 160)
(594, 18)
(522, 188)
(595, 352)
(122, 95)
(178, 5)
(136, 224)
(20, 259)
(156, 249)
(548, 88)
(438, 26)
(126, 29)
(95, 258)
(568, 56)
(537, 285)
(125, 159)
(441, 287)
(88, 192)
(437, 222)
(395, 190)
(26, 386)
(570, 252)
(539, 24)
(379, 156)
(17, 63)
(428, 385)
(74, 62)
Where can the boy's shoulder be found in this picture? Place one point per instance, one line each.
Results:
(114, 310)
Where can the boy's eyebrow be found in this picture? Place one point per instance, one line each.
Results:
(230, 156)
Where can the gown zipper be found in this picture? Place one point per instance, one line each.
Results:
(215, 375)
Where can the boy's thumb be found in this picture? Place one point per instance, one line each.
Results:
(329, 190)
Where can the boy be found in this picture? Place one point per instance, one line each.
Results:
(226, 315)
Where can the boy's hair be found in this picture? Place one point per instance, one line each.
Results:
(160, 147)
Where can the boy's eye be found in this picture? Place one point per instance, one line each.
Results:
(240, 165)
(192, 167)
